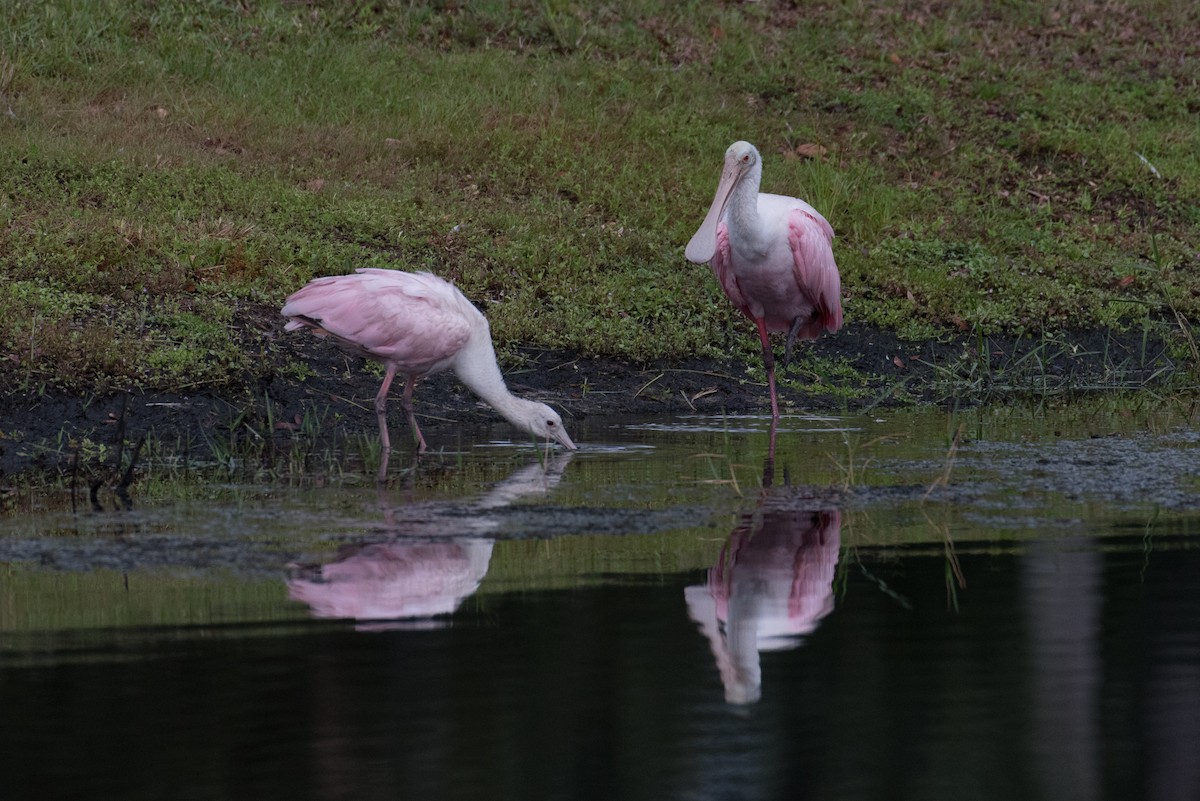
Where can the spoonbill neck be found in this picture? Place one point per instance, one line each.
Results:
(476, 367)
(742, 212)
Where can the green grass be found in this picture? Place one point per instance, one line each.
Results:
(169, 166)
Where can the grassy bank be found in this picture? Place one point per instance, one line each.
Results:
(171, 170)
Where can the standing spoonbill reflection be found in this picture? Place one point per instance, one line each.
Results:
(772, 255)
(415, 324)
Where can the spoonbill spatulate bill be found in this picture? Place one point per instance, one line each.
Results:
(415, 324)
(772, 256)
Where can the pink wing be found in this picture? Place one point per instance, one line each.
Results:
(810, 238)
(722, 269)
(414, 319)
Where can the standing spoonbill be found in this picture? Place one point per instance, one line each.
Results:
(772, 255)
(415, 324)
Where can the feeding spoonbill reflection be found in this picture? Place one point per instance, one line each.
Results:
(430, 562)
(772, 256)
(415, 324)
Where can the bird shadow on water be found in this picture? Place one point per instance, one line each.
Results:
(423, 560)
(771, 584)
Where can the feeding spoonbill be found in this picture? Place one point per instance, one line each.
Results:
(772, 255)
(415, 324)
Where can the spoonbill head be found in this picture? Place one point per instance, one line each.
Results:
(742, 162)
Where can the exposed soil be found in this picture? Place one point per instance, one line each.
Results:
(42, 433)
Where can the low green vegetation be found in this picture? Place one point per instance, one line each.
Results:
(171, 170)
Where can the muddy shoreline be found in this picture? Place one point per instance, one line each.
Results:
(41, 433)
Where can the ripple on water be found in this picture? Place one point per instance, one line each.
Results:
(746, 424)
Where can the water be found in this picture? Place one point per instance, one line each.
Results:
(996, 604)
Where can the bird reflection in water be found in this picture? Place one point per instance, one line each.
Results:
(771, 585)
(409, 579)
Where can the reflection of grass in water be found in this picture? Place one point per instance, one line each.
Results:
(951, 453)
(954, 577)
(852, 467)
(577, 561)
(107, 599)
(841, 582)
(719, 476)
(1148, 543)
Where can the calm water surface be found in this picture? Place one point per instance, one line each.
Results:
(998, 604)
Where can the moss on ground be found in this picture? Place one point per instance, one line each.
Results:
(173, 170)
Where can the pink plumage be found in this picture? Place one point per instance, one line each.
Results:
(378, 581)
(772, 255)
(415, 319)
(414, 324)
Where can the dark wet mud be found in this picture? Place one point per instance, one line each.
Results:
(43, 432)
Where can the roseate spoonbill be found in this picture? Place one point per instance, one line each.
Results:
(772, 255)
(415, 324)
